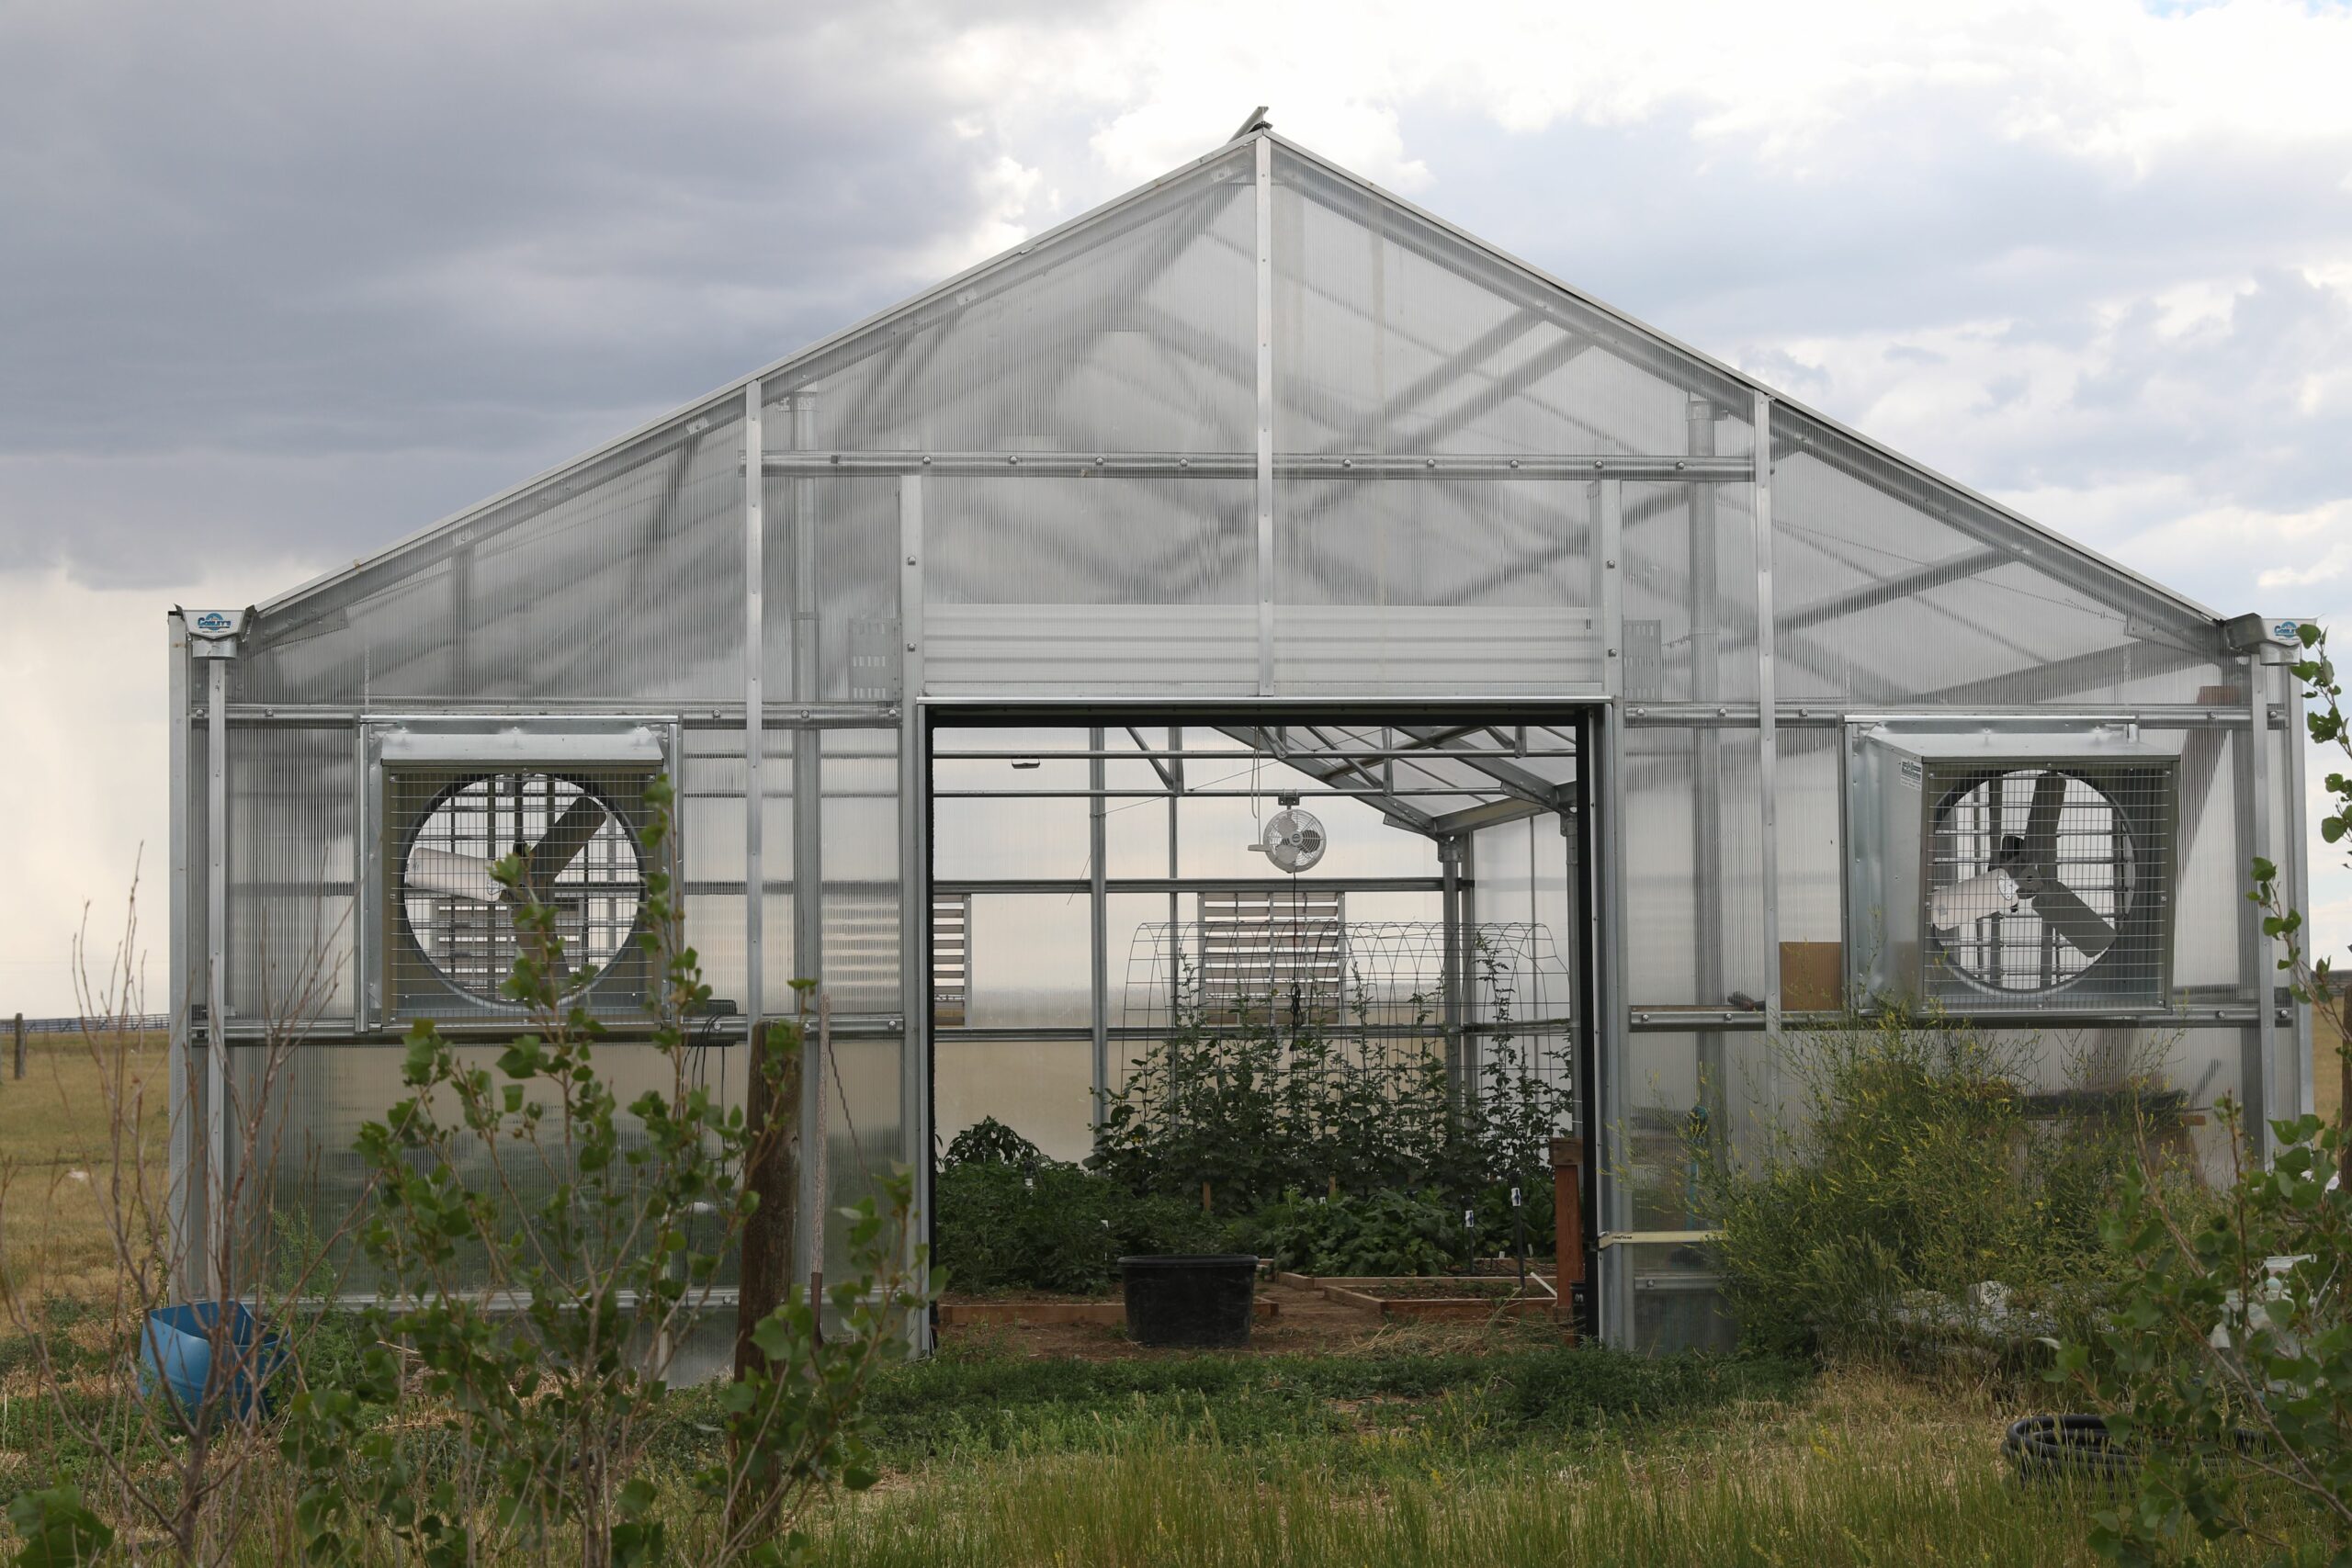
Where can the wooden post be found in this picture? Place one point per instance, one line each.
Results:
(1567, 1219)
(21, 1044)
(773, 1173)
(818, 1175)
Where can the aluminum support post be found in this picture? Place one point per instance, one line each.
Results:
(754, 719)
(808, 803)
(1768, 761)
(914, 882)
(181, 1192)
(216, 963)
(1706, 779)
(1098, 910)
(2297, 844)
(1458, 1080)
(1615, 1065)
(1265, 421)
(2270, 1092)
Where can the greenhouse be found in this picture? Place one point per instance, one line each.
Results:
(1255, 600)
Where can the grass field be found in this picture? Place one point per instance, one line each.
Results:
(1427, 1445)
(57, 1157)
(1857, 1469)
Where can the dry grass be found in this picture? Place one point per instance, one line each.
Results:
(2327, 1072)
(56, 1158)
(1868, 1469)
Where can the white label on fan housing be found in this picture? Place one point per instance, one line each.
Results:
(1912, 774)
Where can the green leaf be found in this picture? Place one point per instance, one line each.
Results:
(57, 1531)
(637, 1543)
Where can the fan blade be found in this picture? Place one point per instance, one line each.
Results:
(439, 870)
(2042, 825)
(1963, 903)
(561, 844)
(2080, 925)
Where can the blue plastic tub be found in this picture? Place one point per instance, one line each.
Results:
(175, 1355)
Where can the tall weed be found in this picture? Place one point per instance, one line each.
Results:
(1922, 1168)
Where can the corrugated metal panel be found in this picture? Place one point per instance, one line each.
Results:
(1133, 648)
(1431, 648)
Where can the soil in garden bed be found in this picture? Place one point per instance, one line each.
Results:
(1456, 1288)
(1308, 1321)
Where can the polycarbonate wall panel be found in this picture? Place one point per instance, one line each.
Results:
(195, 906)
(1043, 1089)
(307, 1166)
(1018, 539)
(1810, 785)
(846, 532)
(619, 581)
(1139, 334)
(1690, 1097)
(292, 820)
(863, 1131)
(1690, 592)
(779, 963)
(1693, 867)
(1521, 875)
(1030, 961)
(1520, 543)
(1878, 601)
(2208, 907)
(860, 870)
(1393, 336)
(710, 837)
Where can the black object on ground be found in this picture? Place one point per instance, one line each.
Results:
(1199, 1300)
(2045, 1447)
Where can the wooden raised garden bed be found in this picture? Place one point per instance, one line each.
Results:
(1456, 1298)
(1043, 1313)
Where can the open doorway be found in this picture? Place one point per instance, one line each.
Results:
(1402, 896)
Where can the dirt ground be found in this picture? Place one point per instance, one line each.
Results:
(1304, 1321)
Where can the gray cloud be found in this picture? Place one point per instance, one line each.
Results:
(294, 281)
(442, 247)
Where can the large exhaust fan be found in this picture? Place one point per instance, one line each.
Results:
(454, 939)
(2005, 871)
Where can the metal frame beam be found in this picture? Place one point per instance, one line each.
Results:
(914, 886)
(181, 1090)
(1614, 1287)
(1269, 464)
(755, 707)
(1410, 818)
(1768, 758)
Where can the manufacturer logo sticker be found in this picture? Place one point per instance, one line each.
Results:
(212, 622)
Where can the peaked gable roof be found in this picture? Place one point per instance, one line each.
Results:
(2151, 608)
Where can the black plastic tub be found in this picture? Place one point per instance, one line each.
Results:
(1200, 1301)
(2049, 1446)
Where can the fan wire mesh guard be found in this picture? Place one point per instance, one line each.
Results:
(454, 941)
(1377, 989)
(1997, 842)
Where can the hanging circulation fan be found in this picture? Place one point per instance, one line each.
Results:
(2029, 910)
(578, 856)
(1292, 839)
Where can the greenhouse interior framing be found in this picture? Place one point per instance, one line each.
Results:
(1253, 593)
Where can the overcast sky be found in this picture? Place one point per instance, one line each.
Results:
(279, 283)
